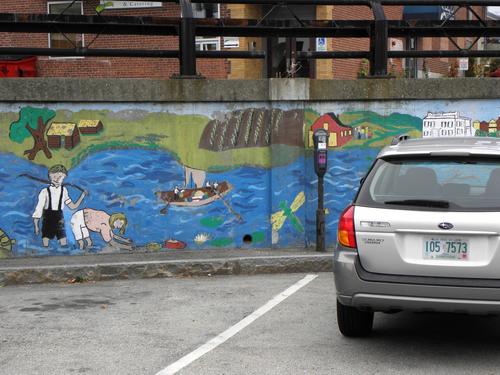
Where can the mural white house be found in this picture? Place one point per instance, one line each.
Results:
(446, 124)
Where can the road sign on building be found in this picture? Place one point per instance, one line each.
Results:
(463, 64)
(131, 4)
(321, 44)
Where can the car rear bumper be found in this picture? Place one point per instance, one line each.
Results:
(378, 292)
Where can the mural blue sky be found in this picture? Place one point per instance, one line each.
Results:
(475, 109)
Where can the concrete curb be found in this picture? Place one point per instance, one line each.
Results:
(169, 268)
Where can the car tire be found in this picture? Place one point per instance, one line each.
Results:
(353, 322)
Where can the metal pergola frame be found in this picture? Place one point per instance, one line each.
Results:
(186, 28)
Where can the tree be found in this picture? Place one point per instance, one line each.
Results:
(32, 121)
(102, 7)
(453, 70)
(475, 69)
(494, 64)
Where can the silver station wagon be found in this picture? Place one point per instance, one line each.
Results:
(422, 234)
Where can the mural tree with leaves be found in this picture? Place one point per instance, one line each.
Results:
(32, 121)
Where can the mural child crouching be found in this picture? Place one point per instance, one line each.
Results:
(51, 201)
(97, 221)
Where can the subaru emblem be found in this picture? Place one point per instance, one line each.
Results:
(445, 225)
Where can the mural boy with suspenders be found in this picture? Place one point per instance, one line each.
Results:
(49, 208)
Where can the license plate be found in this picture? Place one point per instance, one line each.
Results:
(439, 248)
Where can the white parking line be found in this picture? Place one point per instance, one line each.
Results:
(230, 332)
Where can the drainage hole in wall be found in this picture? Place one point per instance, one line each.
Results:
(247, 239)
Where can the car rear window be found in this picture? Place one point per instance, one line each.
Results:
(433, 183)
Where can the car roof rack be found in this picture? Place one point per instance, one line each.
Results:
(399, 138)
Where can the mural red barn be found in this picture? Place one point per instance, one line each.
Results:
(484, 126)
(339, 133)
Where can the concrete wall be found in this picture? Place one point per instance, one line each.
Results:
(249, 140)
(50, 90)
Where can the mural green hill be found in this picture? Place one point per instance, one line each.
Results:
(138, 129)
(310, 116)
(384, 128)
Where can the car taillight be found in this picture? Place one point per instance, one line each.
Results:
(346, 235)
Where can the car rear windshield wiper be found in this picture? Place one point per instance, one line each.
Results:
(421, 202)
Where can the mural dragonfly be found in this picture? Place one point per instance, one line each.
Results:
(286, 212)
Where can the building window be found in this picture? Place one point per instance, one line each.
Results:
(207, 11)
(201, 10)
(57, 40)
(208, 44)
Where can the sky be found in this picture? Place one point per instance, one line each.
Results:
(494, 10)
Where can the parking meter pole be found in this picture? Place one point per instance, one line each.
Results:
(320, 138)
(320, 218)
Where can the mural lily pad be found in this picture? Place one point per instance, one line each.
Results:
(258, 237)
(221, 242)
(211, 222)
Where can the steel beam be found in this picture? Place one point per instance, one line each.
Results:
(427, 28)
(187, 39)
(352, 2)
(280, 28)
(243, 27)
(398, 54)
(43, 23)
(456, 53)
(379, 32)
(122, 25)
(94, 52)
(334, 55)
(440, 2)
(90, 52)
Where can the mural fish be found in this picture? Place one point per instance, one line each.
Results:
(5, 245)
(174, 244)
(153, 246)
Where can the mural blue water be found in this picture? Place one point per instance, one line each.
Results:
(126, 181)
(345, 170)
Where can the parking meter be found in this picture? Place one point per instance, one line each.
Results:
(320, 137)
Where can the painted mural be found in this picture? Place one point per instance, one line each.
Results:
(110, 178)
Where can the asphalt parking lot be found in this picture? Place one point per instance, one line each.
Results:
(147, 326)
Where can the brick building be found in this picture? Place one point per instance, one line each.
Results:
(103, 66)
(280, 64)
